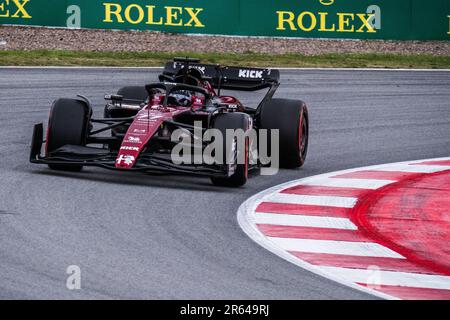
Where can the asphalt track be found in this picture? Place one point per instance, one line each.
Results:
(142, 236)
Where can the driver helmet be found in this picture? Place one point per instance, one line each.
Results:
(180, 98)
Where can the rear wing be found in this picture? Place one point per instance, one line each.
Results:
(231, 78)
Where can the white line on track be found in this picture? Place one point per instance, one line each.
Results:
(326, 201)
(360, 249)
(412, 168)
(393, 278)
(349, 183)
(304, 221)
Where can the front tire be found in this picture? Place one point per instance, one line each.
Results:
(68, 125)
(233, 121)
(290, 117)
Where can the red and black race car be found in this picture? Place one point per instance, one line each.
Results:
(137, 131)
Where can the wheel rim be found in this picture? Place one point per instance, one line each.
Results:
(246, 158)
(303, 137)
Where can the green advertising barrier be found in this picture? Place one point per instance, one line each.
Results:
(345, 19)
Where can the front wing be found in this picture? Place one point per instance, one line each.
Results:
(99, 157)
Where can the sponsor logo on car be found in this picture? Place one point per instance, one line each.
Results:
(252, 74)
(152, 117)
(129, 148)
(134, 139)
(140, 131)
(177, 65)
(126, 159)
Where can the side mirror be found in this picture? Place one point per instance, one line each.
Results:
(113, 97)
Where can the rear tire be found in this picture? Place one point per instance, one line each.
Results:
(233, 121)
(68, 124)
(291, 118)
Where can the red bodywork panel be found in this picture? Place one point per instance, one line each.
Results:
(145, 125)
(147, 122)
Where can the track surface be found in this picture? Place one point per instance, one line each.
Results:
(138, 236)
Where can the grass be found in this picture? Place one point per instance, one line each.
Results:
(148, 59)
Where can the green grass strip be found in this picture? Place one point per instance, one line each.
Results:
(150, 59)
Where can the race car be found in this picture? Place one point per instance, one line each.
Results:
(139, 124)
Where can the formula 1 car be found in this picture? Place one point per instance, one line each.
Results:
(136, 132)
